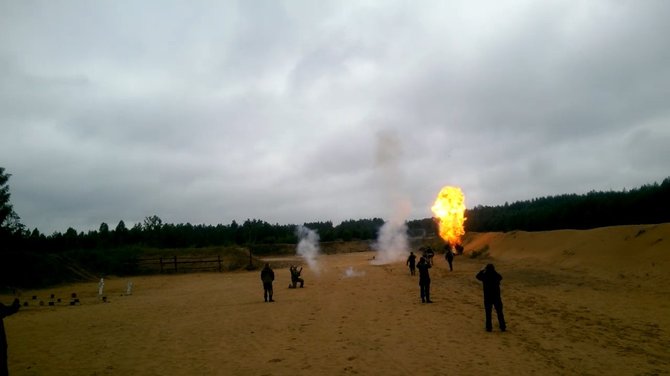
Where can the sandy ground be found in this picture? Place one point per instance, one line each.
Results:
(577, 302)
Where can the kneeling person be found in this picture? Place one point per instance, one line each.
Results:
(295, 277)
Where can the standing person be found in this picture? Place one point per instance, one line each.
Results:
(491, 282)
(424, 280)
(4, 312)
(267, 276)
(411, 260)
(450, 257)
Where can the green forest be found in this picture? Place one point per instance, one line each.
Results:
(29, 253)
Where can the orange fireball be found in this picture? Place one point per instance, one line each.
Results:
(449, 210)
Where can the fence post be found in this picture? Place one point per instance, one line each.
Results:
(218, 257)
(175, 263)
(161, 261)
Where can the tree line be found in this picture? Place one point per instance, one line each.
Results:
(152, 232)
(31, 258)
(646, 204)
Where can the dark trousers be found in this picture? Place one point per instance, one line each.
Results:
(412, 270)
(3, 362)
(295, 281)
(488, 306)
(267, 291)
(450, 266)
(425, 291)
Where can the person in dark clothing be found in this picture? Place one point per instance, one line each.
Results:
(411, 260)
(4, 312)
(491, 283)
(267, 277)
(428, 254)
(295, 277)
(449, 255)
(424, 280)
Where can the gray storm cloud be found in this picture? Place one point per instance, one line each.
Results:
(105, 119)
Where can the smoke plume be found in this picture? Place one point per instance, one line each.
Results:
(308, 246)
(392, 243)
(350, 272)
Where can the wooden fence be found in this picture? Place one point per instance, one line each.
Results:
(182, 264)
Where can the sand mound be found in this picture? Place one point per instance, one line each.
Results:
(577, 302)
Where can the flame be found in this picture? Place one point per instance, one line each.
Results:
(449, 210)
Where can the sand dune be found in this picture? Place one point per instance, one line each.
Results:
(577, 302)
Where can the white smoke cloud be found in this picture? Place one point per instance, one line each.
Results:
(350, 272)
(308, 246)
(392, 243)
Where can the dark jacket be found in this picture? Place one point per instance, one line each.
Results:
(491, 283)
(424, 277)
(267, 275)
(295, 274)
(411, 260)
(4, 312)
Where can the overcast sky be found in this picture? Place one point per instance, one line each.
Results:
(300, 111)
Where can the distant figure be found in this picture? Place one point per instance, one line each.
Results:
(429, 255)
(295, 277)
(491, 280)
(424, 280)
(411, 260)
(459, 249)
(4, 312)
(267, 276)
(449, 255)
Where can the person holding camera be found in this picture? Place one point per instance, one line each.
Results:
(4, 312)
(491, 283)
(424, 280)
